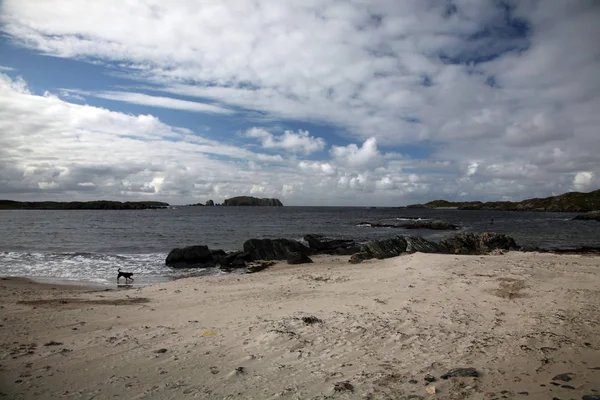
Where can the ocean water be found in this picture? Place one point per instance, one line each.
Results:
(87, 246)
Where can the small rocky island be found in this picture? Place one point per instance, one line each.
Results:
(252, 201)
(567, 202)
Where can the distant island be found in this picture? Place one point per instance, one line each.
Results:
(567, 202)
(81, 205)
(251, 201)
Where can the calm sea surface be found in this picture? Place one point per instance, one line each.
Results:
(89, 246)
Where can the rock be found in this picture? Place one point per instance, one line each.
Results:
(567, 387)
(191, 256)
(257, 266)
(461, 372)
(298, 258)
(591, 216)
(274, 249)
(417, 243)
(429, 378)
(356, 258)
(160, 351)
(322, 245)
(590, 397)
(386, 248)
(425, 224)
(430, 389)
(471, 243)
(566, 377)
(311, 319)
(344, 386)
(52, 343)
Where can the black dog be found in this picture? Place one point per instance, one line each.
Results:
(127, 275)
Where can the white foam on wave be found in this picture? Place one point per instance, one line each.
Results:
(89, 267)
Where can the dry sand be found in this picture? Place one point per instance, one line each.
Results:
(519, 319)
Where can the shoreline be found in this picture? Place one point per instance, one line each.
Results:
(372, 330)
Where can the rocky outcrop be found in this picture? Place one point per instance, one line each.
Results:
(203, 257)
(322, 245)
(471, 243)
(251, 201)
(274, 249)
(424, 224)
(591, 216)
(210, 203)
(418, 244)
(298, 258)
(189, 257)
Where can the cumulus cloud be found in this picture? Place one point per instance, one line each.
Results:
(366, 156)
(583, 180)
(300, 142)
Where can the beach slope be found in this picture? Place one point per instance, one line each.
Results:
(376, 330)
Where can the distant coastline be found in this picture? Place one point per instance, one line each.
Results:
(567, 202)
(81, 205)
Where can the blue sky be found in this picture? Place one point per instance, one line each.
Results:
(316, 103)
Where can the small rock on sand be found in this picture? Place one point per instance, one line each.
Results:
(343, 386)
(160, 351)
(52, 343)
(566, 377)
(461, 372)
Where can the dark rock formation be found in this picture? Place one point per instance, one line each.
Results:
(251, 201)
(274, 249)
(471, 243)
(210, 203)
(298, 258)
(591, 216)
(322, 245)
(418, 244)
(257, 266)
(385, 248)
(189, 257)
(424, 224)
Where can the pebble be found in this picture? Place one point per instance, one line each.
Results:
(160, 351)
(591, 397)
(461, 372)
(343, 386)
(566, 377)
(429, 378)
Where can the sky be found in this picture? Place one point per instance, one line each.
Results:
(314, 102)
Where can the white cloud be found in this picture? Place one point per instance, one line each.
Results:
(452, 78)
(300, 142)
(366, 156)
(583, 180)
(4, 68)
(160, 101)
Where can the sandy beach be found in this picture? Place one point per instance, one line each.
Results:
(376, 330)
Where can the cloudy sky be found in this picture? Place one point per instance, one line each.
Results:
(315, 102)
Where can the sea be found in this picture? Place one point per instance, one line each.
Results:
(88, 246)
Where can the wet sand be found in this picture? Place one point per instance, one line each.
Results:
(375, 330)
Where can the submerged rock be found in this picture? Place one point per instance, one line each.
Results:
(424, 224)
